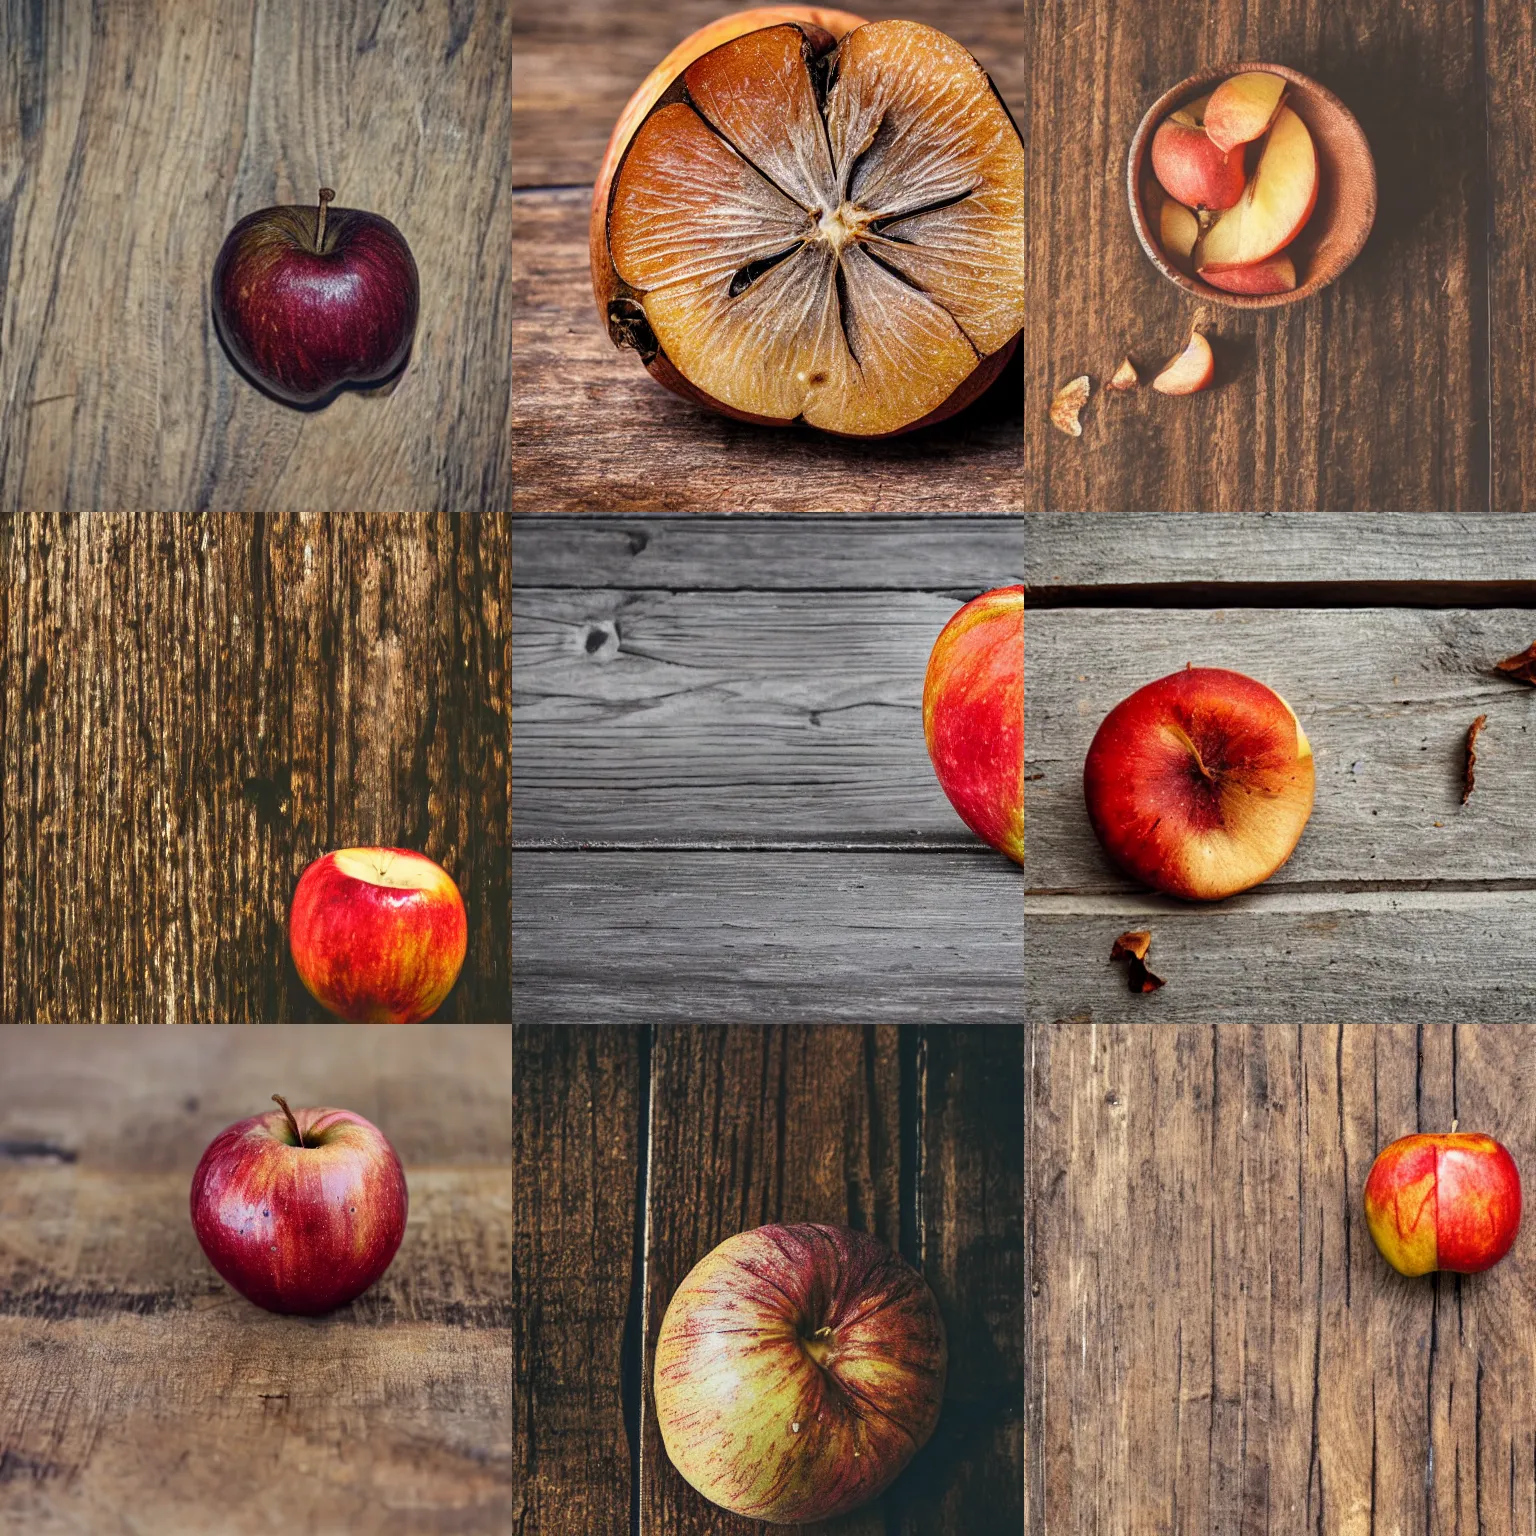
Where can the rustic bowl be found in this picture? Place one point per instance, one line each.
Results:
(1346, 193)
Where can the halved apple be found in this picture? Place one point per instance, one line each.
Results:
(1242, 107)
(808, 228)
(1278, 201)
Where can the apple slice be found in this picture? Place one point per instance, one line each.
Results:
(1125, 377)
(1191, 168)
(1241, 109)
(1277, 274)
(1177, 231)
(1278, 201)
(1190, 372)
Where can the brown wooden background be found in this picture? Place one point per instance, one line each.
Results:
(591, 430)
(636, 1151)
(1407, 385)
(142, 1393)
(193, 708)
(133, 136)
(1218, 1345)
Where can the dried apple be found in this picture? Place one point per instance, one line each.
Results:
(803, 216)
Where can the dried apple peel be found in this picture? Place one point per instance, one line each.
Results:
(826, 231)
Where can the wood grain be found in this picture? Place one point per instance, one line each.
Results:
(579, 1101)
(737, 718)
(1257, 1366)
(593, 432)
(1421, 556)
(765, 936)
(855, 1126)
(1509, 57)
(1372, 395)
(133, 137)
(193, 708)
(145, 1393)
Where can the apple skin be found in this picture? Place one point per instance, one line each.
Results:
(304, 323)
(797, 1371)
(1192, 170)
(375, 952)
(1200, 783)
(973, 716)
(300, 1229)
(1447, 1202)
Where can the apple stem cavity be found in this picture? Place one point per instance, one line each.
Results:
(326, 194)
(277, 1098)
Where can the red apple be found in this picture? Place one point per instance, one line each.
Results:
(1443, 1202)
(973, 716)
(798, 1370)
(300, 1210)
(1199, 784)
(310, 299)
(378, 934)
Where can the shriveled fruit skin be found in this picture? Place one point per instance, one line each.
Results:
(956, 303)
(833, 22)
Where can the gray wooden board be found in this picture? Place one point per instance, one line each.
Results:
(857, 552)
(1385, 695)
(614, 937)
(725, 718)
(1135, 548)
(1399, 903)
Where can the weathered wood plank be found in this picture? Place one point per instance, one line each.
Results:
(132, 1369)
(135, 137)
(1210, 549)
(593, 432)
(739, 718)
(1283, 957)
(1374, 393)
(1257, 1366)
(578, 1099)
(914, 1136)
(194, 707)
(574, 68)
(1509, 62)
(767, 936)
(1385, 696)
(767, 554)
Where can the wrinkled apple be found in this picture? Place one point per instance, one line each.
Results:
(802, 216)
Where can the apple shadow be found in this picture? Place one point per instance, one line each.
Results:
(384, 386)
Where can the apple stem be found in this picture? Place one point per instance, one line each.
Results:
(277, 1098)
(326, 194)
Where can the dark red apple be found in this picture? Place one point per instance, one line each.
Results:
(300, 1210)
(310, 299)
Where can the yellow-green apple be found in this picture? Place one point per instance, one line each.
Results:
(1199, 784)
(798, 1370)
(1275, 205)
(1242, 107)
(1275, 274)
(1177, 231)
(1190, 372)
(378, 934)
(300, 1209)
(1190, 167)
(1448, 1201)
(973, 716)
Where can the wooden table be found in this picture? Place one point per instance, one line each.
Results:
(724, 807)
(591, 431)
(133, 138)
(639, 1149)
(142, 1394)
(1406, 385)
(1217, 1344)
(195, 707)
(1400, 904)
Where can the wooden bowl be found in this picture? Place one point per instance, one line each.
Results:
(1346, 192)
